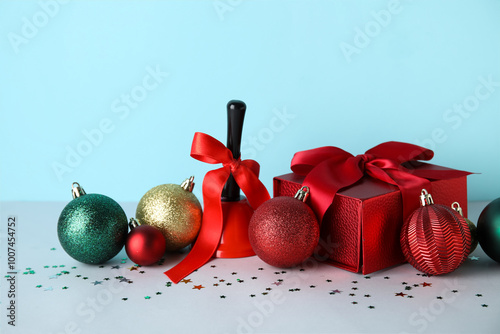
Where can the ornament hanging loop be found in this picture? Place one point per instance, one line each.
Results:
(302, 194)
(77, 190)
(425, 198)
(456, 206)
(188, 184)
(133, 223)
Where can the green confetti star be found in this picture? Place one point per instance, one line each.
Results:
(169, 284)
(147, 297)
(39, 286)
(73, 267)
(64, 287)
(46, 266)
(53, 249)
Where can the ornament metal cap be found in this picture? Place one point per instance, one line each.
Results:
(77, 190)
(425, 198)
(302, 194)
(188, 184)
(456, 206)
(133, 223)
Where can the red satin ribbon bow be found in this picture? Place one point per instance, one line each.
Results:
(329, 169)
(246, 174)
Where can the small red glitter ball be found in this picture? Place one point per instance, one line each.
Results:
(145, 245)
(283, 232)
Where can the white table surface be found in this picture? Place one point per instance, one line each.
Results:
(56, 294)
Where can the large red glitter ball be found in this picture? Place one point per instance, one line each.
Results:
(145, 245)
(435, 239)
(283, 232)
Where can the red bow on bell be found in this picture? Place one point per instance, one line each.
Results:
(246, 174)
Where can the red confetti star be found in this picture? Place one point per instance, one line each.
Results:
(198, 287)
(186, 280)
(400, 294)
(426, 284)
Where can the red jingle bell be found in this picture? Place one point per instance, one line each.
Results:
(435, 239)
(145, 244)
(284, 231)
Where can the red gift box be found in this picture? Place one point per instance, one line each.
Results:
(360, 230)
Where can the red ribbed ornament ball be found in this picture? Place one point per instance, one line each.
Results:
(283, 232)
(435, 239)
(145, 244)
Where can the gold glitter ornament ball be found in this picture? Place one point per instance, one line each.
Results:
(174, 210)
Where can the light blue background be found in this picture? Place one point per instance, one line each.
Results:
(280, 57)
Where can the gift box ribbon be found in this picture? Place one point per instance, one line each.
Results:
(329, 169)
(246, 174)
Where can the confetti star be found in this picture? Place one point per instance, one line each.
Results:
(277, 283)
(78, 276)
(123, 279)
(38, 286)
(64, 287)
(46, 266)
(336, 291)
(329, 280)
(240, 280)
(215, 277)
(367, 277)
(354, 303)
(408, 287)
(118, 277)
(302, 269)
(186, 281)
(158, 293)
(297, 289)
(212, 266)
(234, 273)
(130, 282)
(367, 296)
(439, 297)
(416, 285)
(52, 249)
(97, 282)
(291, 290)
(147, 297)
(473, 258)
(198, 287)
(283, 272)
(277, 273)
(268, 289)
(264, 293)
(168, 284)
(371, 307)
(280, 280)
(101, 266)
(124, 298)
(141, 272)
(73, 267)
(229, 283)
(312, 286)
(409, 296)
(261, 268)
(386, 277)
(216, 284)
(354, 288)
(426, 284)
(223, 297)
(454, 291)
(479, 295)
(106, 278)
(400, 294)
(352, 294)
(222, 280)
(115, 267)
(254, 277)
(404, 283)
(132, 268)
(48, 289)
(484, 305)
(354, 282)
(252, 296)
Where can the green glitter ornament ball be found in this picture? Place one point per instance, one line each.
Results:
(92, 228)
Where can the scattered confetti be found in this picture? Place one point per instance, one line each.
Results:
(97, 282)
(198, 287)
(479, 295)
(473, 258)
(426, 284)
(400, 294)
(484, 305)
(115, 267)
(147, 297)
(186, 280)
(223, 296)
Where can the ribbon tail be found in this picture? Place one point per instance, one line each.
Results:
(211, 228)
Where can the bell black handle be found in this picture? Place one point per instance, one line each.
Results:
(235, 117)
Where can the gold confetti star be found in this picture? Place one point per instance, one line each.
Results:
(188, 280)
